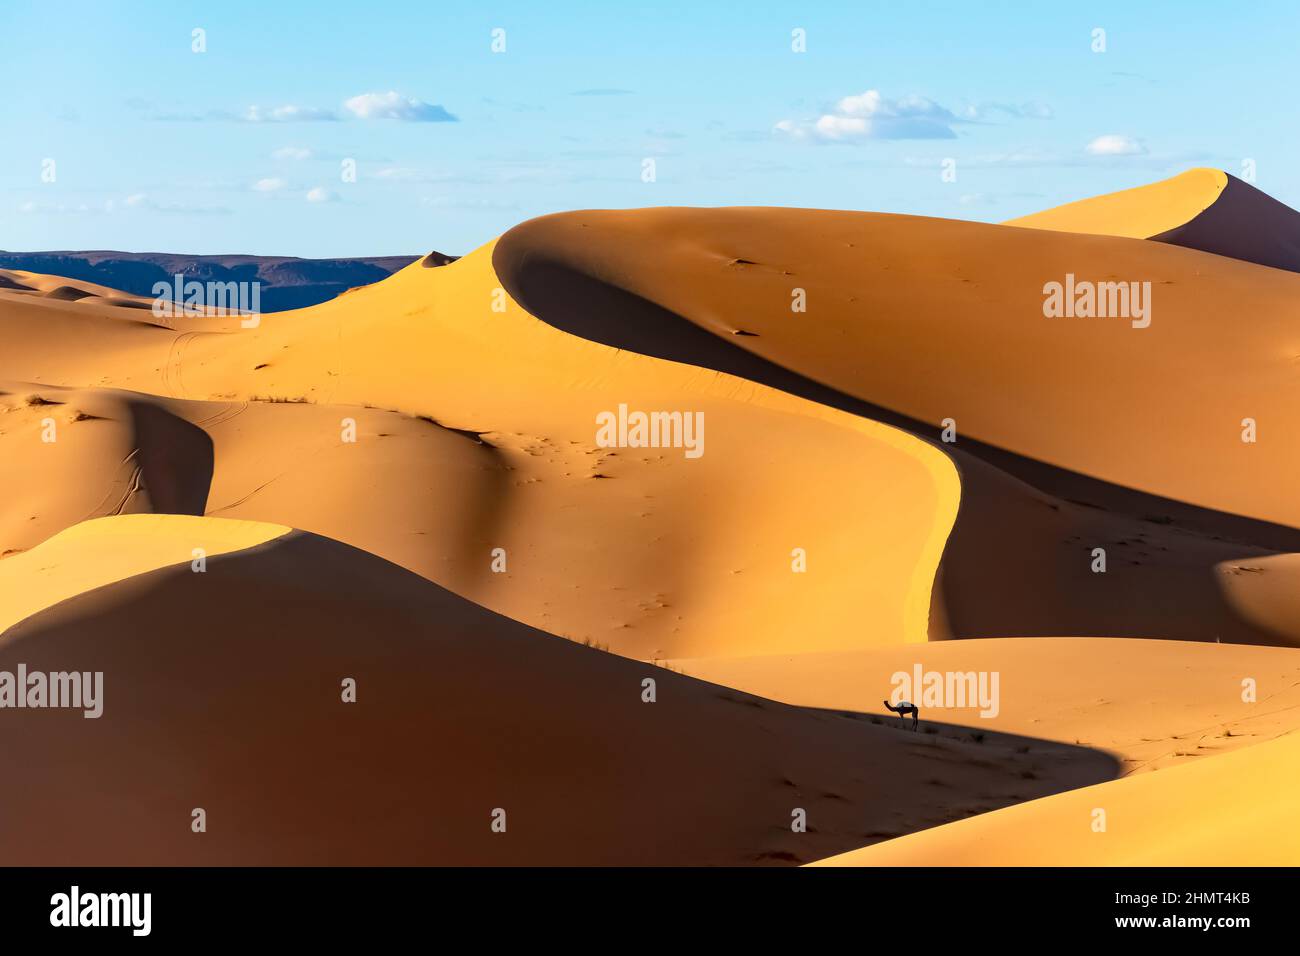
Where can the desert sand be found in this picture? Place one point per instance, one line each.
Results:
(1212, 813)
(459, 712)
(406, 486)
(1204, 209)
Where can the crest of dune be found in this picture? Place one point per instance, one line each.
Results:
(93, 554)
(1139, 213)
(643, 550)
(1234, 817)
(221, 688)
(1064, 430)
(1204, 209)
(901, 462)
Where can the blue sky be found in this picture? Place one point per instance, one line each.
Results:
(241, 148)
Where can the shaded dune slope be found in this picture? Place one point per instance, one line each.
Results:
(103, 551)
(1152, 704)
(350, 472)
(70, 455)
(1235, 819)
(1203, 209)
(459, 711)
(117, 452)
(673, 556)
(959, 332)
(1019, 559)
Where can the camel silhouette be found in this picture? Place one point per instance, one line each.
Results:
(903, 709)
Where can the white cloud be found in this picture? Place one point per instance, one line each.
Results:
(1114, 144)
(321, 194)
(831, 126)
(392, 105)
(872, 116)
(292, 152)
(269, 185)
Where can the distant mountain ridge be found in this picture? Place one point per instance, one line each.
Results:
(287, 282)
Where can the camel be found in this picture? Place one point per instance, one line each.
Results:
(903, 709)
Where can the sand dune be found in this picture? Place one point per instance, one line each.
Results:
(408, 484)
(10, 282)
(667, 558)
(1202, 209)
(284, 282)
(71, 455)
(1140, 213)
(91, 555)
(1151, 704)
(891, 335)
(1218, 811)
(1021, 562)
(229, 700)
(959, 332)
(125, 453)
(60, 287)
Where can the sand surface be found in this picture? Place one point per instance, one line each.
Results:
(406, 486)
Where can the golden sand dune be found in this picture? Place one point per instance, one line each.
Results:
(69, 455)
(20, 282)
(402, 487)
(1202, 209)
(914, 340)
(1151, 704)
(1217, 811)
(436, 442)
(11, 281)
(956, 332)
(103, 551)
(646, 551)
(1141, 213)
(222, 691)
(1022, 562)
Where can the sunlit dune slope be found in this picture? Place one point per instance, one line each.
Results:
(1229, 810)
(21, 282)
(1154, 704)
(647, 551)
(890, 326)
(944, 320)
(406, 486)
(419, 494)
(222, 690)
(1018, 562)
(90, 555)
(1139, 213)
(1202, 209)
